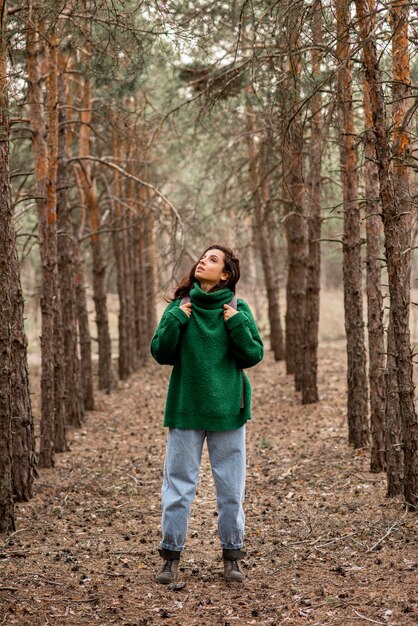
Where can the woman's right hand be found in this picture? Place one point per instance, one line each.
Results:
(187, 308)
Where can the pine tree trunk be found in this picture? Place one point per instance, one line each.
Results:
(402, 101)
(73, 395)
(132, 167)
(139, 280)
(259, 186)
(376, 337)
(86, 362)
(7, 277)
(60, 442)
(87, 182)
(131, 260)
(119, 248)
(276, 328)
(106, 378)
(139, 269)
(397, 228)
(150, 269)
(253, 273)
(358, 431)
(313, 283)
(23, 437)
(294, 219)
(140, 285)
(273, 297)
(271, 281)
(267, 230)
(393, 441)
(47, 235)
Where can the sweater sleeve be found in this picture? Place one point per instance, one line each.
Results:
(166, 338)
(247, 345)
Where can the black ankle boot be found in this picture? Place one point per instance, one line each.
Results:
(168, 571)
(232, 568)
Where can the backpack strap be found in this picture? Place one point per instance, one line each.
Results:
(233, 303)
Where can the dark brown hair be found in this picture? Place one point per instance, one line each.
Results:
(231, 266)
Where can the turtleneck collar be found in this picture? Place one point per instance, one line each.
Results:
(213, 300)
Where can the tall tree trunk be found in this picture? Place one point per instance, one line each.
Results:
(276, 326)
(402, 101)
(267, 232)
(139, 272)
(131, 253)
(313, 283)
(23, 437)
(47, 235)
(393, 441)
(73, 395)
(106, 377)
(141, 325)
(81, 311)
(119, 249)
(87, 182)
(259, 186)
(60, 442)
(358, 431)
(375, 326)
(86, 362)
(294, 191)
(150, 266)
(22, 428)
(397, 227)
(7, 250)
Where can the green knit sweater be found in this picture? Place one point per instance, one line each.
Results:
(208, 354)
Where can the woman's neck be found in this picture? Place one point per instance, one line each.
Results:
(205, 286)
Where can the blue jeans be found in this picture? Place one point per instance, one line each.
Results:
(181, 474)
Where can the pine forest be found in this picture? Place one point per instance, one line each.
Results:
(134, 136)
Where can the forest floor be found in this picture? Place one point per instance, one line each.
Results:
(324, 545)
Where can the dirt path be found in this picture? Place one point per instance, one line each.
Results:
(324, 546)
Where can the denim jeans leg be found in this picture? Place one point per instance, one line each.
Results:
(181, 474)
(227, 458)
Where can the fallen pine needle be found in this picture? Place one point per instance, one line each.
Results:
(373, 621)
(385, 535)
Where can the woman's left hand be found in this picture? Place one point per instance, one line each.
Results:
(229, 312)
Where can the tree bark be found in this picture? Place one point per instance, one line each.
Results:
(87, 182)
(86, 362)
(397, 228)
(47, 237)
(119, 241)
(358, 431)
(402, 101)
(393, 441)
(375, 326)
(60, 442)
(141, 325)
(257, 162)
(22, 428)
(131, 253)
(73, 395)
(150, 268)
(313, 284)
(294, 220)
(267, 233)
(7, 248)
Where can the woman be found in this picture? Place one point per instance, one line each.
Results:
(209, 337)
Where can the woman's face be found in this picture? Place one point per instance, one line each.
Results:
(210, 268)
